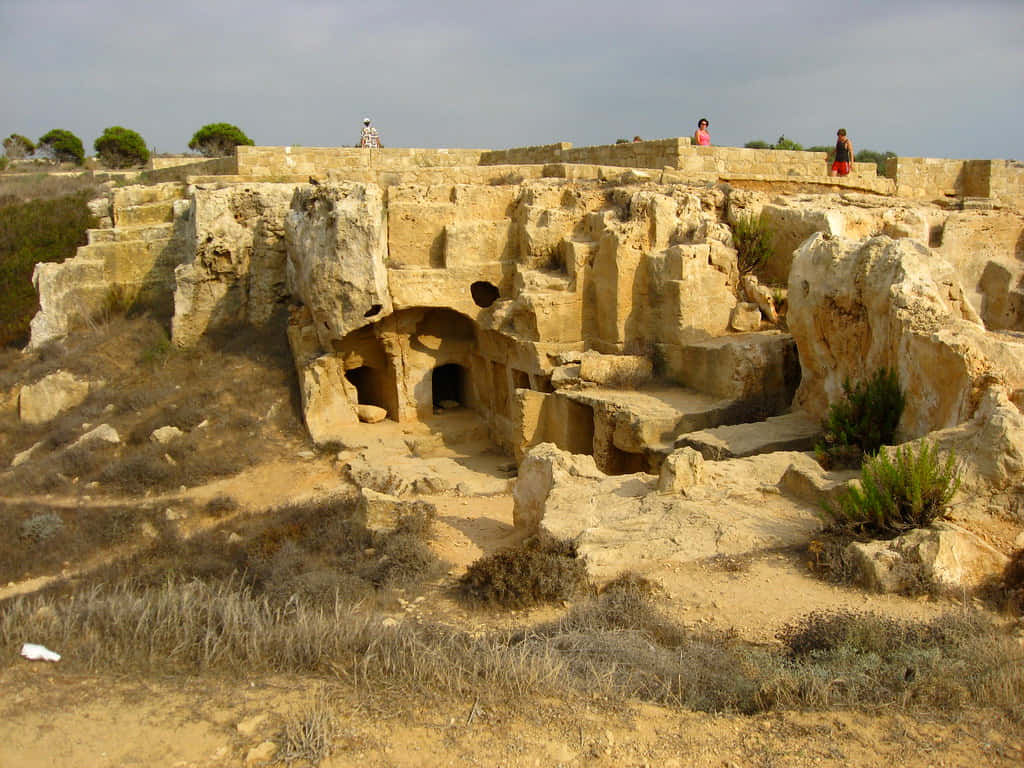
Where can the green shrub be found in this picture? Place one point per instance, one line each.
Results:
(121, 148)
(864, 420)
(17, 147)
(41, 230)
(784, 143)
(753, 242)
(540, 570)
(758, 144)
(909, 489)
(63, 145)
(218, 139)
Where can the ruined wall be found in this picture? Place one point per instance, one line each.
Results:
(319, 161)
(931, 177)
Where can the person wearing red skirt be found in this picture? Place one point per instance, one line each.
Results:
(843, 162)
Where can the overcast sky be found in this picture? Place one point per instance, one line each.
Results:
(932, 78)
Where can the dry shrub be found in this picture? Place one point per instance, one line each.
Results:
(540, 570)
(309, 732)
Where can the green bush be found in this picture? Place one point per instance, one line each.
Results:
(864, 420)
(217, 139)
(753, 242)
(40, 230)
(908, 489)
(17, 147)
(757, 144)
(64, 145)
(121, 148)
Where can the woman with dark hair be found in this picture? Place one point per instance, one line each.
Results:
(701, 137)
(842, 164)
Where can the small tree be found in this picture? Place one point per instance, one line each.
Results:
(17, 147)
(753, 242)
(217, 139)
(757, 144)
(908, 487)
(864, 420)
(121, 148)
(784, 143)
(63, 145)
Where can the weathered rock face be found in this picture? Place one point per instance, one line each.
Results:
(855, 307)
(337, 249)
(237, 273)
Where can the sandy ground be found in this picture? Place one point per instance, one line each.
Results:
(54, 719)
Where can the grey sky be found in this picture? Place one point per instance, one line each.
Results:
(922, 78)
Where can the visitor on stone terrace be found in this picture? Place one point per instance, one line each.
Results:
(843, 163)
(701, 137)
(369, 137)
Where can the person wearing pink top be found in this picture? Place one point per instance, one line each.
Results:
(701, 137)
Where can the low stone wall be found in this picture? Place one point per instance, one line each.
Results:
(268, 162)
(932, 177)
(642, 154)
(1006, 180)
(178, 171)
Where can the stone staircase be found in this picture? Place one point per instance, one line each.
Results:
(733, 403)
(129, 260)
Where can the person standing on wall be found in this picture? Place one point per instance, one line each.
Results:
(701, 137)
(843, 162)
(369, 137)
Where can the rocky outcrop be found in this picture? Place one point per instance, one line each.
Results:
(943, 556)
(631, 521)
(855, 307)
(236, 270)
(337, 253)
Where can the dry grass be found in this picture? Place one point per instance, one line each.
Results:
(616, 645)
(234, 400)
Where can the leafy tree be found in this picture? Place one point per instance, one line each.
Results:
(17, 147)
(121, 148)
(63, 145)
(784, 143)
(757, 144)
(217, 139)
(878, 158)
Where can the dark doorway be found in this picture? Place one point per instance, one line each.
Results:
(448, 384)
(368, 383)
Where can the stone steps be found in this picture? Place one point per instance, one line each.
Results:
(788, 432)
(126, 197)
(144, 213)
(143, 233)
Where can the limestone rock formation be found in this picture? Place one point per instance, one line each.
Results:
(235, 272)
(855, 307)
(623, 521)
(337, 252)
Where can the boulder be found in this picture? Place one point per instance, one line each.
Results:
(165, 435)
(943, 556)
(762, 296)
(103, 433)
(681, 470)
(615, 370)
(52, 395)
(381, 512)
(545, 467)
(371, 414)
(746, 316)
